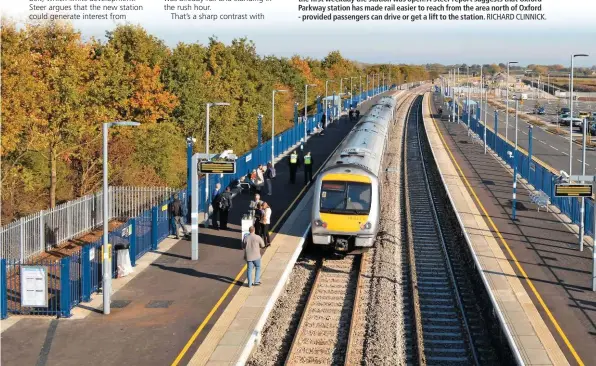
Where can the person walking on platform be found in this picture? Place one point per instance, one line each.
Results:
(269, 176)
(225, 207)
(294, 163)
(176, 210)
(323, 123)
(351, 114)
(266, 223)
(215, 204)
(357, 114)
(252, 244)
(307, 168)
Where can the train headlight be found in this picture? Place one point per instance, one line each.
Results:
(320, 223)
(366, 226)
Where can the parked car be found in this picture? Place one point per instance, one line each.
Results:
(539, 110)
(593, 129)
(577, 122)
(593, 116)
(583, 115)
(565, 110)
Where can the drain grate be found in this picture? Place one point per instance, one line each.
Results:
(119, 304)
(163, 304)
(488, 182)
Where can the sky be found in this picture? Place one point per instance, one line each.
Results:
(569, 28)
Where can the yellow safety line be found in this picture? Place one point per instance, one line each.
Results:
(534, 290)
(204, 323)
(226, 293)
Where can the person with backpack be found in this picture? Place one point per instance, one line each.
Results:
(176, 211)
(225, 205)
(269, 176)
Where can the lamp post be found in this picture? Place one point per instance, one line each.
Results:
(305, 109)
(273, 123)
(360, 95)
(583, 205)
(341, 89)
(515, 161)
(209, 105)
(351, 90)
(326, 96)
(571, 111)
(548, 86)
(469, 87)
(507, 105)
(106, 257)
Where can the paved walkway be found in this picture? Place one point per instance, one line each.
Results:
(555, 274)
(172, 301)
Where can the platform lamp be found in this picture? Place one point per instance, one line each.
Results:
(571, 111)
(306, 108)
(273, 124)
(507, 105)
(106, 260)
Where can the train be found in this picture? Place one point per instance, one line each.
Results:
(347, 193)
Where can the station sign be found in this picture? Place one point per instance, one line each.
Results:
(573, 190)
(217, 167)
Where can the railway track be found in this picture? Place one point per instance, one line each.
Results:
(324, 332)
(443, 324)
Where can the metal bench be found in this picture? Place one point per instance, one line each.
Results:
(541, 199)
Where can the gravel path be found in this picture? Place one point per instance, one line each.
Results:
(384, 341)
(283, 320)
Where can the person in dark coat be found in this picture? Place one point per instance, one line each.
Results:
(323, 123)
(308, 161)
(176, 211)
(225, 206)
(294, 164)
(215, 204)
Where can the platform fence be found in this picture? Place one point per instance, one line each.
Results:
(147, 221)
(535, 172)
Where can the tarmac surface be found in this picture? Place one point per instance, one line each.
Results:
(154, 315)
(551, 148)
(544, 247)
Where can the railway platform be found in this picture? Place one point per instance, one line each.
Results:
(533, 267)
(170, 306)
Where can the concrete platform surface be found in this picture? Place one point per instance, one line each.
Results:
(532, 337)
(238, 329)
(165, 311)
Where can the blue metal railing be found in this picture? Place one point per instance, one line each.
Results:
(538, 175)
(72, 280)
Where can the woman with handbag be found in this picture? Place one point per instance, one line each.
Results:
(266, 223)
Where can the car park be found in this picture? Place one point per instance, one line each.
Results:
(583, 115)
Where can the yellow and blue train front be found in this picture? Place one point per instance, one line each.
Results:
(347, 209)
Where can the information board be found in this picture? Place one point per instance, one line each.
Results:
(217, 167)
(573, 190)
(34, 286)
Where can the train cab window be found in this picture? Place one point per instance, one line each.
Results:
(345, 197)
